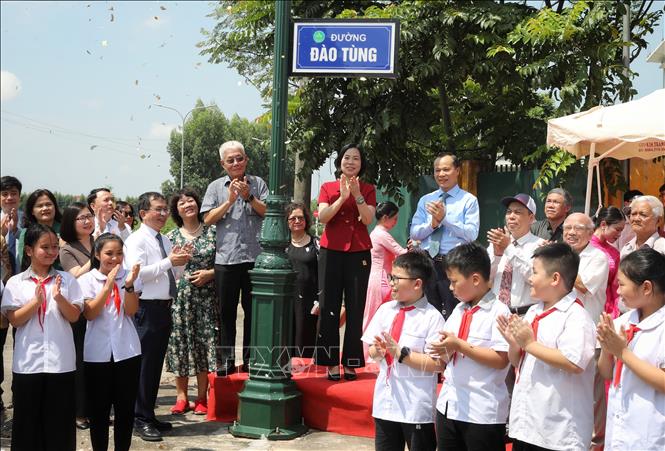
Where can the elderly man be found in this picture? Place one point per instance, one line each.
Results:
(444, 219)
(236, 204)
(645, 213)
(510, 252)
(590, 288)
(558, 204)
(627, 233)
(107, 218)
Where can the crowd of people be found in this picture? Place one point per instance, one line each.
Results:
(526, 332)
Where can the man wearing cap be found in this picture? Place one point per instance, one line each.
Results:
(558, 204)
(590, 288)
(444, 219)
(510, 252)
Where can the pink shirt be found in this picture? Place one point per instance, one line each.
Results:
(611, 304)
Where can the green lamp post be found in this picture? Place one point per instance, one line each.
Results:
(270, 403)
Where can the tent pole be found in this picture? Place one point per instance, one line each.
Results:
(600, 199)
(589, 179)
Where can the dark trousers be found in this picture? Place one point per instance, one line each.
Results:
(391, 436)
(153, 324)
(112, 384)
(232, 283)
(304, 336)
(78, 329)
(454, 435)
(342, 275)
(524, 446)
(43, 412)
(438, 290)
(3, 339)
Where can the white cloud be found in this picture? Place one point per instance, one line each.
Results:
(160, 130)
(11, 86)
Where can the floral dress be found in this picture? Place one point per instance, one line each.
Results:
(191, 348)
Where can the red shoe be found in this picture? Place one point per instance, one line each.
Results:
(181, 406)
(201, 407)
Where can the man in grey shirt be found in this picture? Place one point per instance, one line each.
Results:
(558, 204)
(235, 203)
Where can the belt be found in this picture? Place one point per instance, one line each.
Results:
(520, 310)
(160, 302)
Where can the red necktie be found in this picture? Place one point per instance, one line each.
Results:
(630, 333)
(116, 297)
(41, 311)
(506, 281)
(534, 327)
(396, 331)
(465, 325)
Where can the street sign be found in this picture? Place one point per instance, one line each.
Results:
(346, 48)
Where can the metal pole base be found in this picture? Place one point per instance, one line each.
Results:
(280, 400)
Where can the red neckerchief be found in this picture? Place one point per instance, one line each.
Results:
(41, 310)
(115, 293)
(630, 333)
(396, 332)
(534, 327)
(465, 325)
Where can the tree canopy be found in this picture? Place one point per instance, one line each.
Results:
(479, 78)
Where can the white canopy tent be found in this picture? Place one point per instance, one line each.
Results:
(622, 131)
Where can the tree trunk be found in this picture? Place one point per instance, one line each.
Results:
(444, 104)
(302, 187)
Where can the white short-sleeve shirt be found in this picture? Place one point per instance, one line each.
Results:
(553, 408)
(111, 333)
(635, 410)
(408, 395)
(594, 270)
(472, 392)
(50, 350)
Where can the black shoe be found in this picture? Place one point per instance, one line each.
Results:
(162, 426)
(245, 368)
(350, 376)
(148, 432)
(333, 376)
(226, 371)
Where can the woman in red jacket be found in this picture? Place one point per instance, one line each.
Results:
(346, 207)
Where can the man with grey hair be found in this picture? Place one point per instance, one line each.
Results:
(645, 213)
(590, 288)
(558, 204)
(235, 203)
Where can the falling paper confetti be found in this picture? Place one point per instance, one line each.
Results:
(163, 8)
(136, 82)
(157, 97)
(93, 146)
(156, 18)
(88, 52)
(112, 17)
(105, 43)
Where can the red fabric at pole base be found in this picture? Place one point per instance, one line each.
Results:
(344, 407)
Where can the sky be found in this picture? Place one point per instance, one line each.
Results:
(80, 80)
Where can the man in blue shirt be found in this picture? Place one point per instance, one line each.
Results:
(444, 219)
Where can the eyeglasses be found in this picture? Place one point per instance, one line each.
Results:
(296, 219)
(395, 279)
(238, 159)
(161, 211)
(127, 214)
(85, 218)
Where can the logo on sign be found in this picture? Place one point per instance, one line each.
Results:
(319, 36)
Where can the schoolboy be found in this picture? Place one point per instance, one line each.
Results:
(472, 408)
(398, 335)
(552, 349)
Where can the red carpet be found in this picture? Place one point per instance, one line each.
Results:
(344, 407)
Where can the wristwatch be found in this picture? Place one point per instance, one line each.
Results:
(251, 198)
(360, 200)
(404, 353)
(129, 289)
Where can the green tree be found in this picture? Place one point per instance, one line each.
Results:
(205, 132)
(480, 78)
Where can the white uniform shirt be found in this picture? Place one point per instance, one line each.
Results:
(594, 270)
(520, 256)
(635, 410)
(472, 392)
(110, 333)
(113, 227)
(42, 351)
(655, 241)
(408, 395)
(553, 408)
(142, 247)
